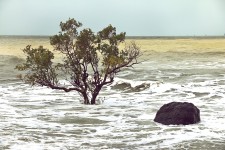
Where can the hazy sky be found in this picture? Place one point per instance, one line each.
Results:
(136, 17)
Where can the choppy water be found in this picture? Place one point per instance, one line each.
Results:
(41, 118)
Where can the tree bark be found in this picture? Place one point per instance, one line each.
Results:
(86, 99)
(94, 95)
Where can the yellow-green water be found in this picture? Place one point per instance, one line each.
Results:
(13, 45)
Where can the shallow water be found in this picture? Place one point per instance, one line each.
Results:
(41, 118)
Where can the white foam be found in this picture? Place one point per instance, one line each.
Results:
(41, 118)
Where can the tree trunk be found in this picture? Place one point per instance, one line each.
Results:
(93, 99)
(86, 99)
(94, 95)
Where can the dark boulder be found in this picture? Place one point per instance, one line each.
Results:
(178, 113)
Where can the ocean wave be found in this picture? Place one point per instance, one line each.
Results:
(128, 86)
(188, 54)
(10, 59)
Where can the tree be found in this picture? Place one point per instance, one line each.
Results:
(90, 60)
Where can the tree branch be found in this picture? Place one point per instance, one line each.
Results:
(52, 86)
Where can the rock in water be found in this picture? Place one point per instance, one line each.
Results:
(178, 113)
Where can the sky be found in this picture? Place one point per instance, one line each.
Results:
(135, 17)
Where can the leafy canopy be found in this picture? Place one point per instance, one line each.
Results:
(90, 60)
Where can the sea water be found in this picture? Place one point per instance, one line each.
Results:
(41, 118)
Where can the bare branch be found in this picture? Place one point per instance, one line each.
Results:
(52, 86)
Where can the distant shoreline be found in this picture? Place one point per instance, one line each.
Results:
(127, 37)
(175, 37)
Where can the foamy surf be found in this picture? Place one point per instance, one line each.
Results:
(42, 118)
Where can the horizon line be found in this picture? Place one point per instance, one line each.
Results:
(135, 36)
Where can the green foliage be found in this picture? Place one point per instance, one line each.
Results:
(90, 60)
(39, 66)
